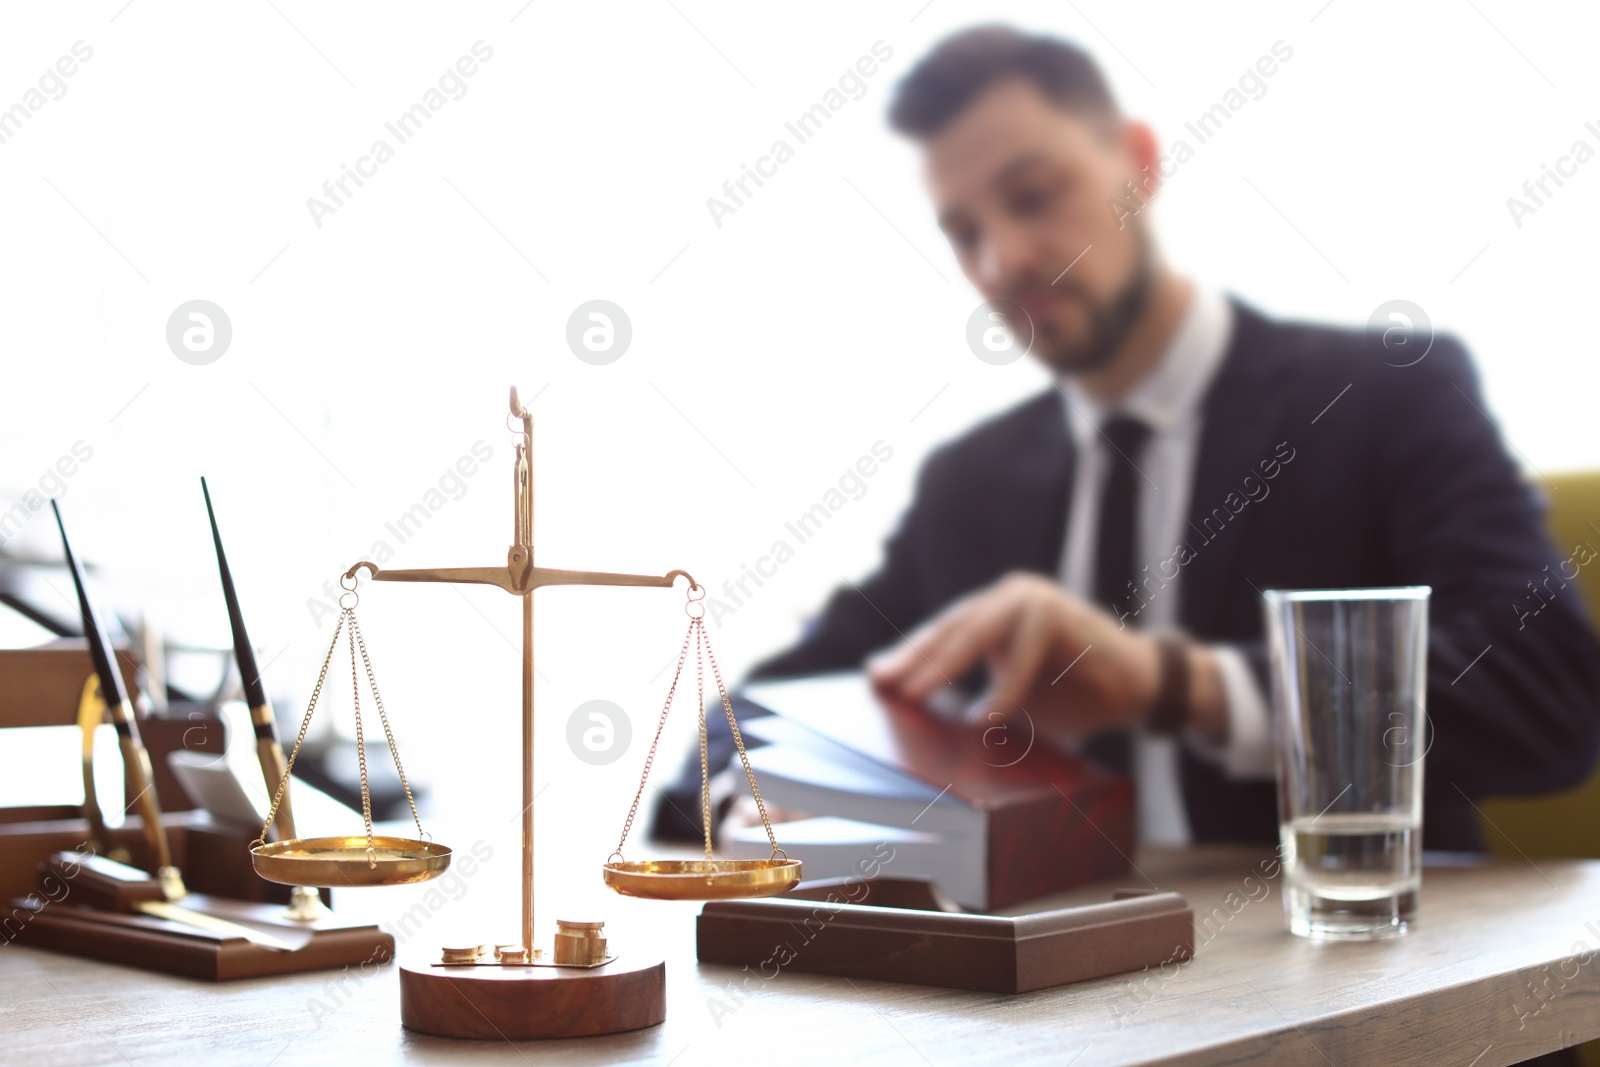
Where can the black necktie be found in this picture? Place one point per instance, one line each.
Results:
(1122, 441)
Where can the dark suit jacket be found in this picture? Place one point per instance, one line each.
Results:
(1381, 476)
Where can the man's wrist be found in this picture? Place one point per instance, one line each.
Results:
(1208, 698)
(1169, 711)
(1189, 694)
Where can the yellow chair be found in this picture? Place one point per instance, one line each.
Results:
(1563, 824)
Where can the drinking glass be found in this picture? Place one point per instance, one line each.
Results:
(1349, 675)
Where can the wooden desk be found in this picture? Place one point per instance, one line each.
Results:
(1489, 977)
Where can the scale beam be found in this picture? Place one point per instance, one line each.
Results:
(511, 581)
(499, 576)
(554, 576)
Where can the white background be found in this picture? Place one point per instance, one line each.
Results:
(768, 353)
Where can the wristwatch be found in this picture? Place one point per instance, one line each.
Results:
(1170, 713)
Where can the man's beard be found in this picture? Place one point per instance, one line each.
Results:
(1110, 321)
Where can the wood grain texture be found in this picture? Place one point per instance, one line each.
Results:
(1491, 975)
(42, 684)
(520, 1003)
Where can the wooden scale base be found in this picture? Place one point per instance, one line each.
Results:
(524, 1003)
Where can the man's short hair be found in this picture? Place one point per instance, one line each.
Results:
(963, 66)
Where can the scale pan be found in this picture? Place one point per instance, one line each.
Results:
(702, 879)
(340, 862)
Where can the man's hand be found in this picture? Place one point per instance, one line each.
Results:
(1050, 654)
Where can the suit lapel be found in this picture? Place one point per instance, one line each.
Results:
(1040, 477)
(1241, 428)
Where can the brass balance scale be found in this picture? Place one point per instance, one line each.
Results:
(518, 991)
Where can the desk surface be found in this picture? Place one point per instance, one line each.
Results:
(1499, 968)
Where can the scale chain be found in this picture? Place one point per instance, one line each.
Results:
(394, 750)
(703, 651)
(738, 739)
(356, 641)
(705, 770)
(305, 724)
(650, 759)
(361, 755)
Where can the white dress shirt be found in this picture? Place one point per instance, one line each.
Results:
(1169, 401)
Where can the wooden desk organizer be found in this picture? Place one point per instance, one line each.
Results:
(158, 945)
(41, 687)
(897, 930)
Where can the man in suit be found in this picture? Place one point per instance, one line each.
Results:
(1096, 554)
